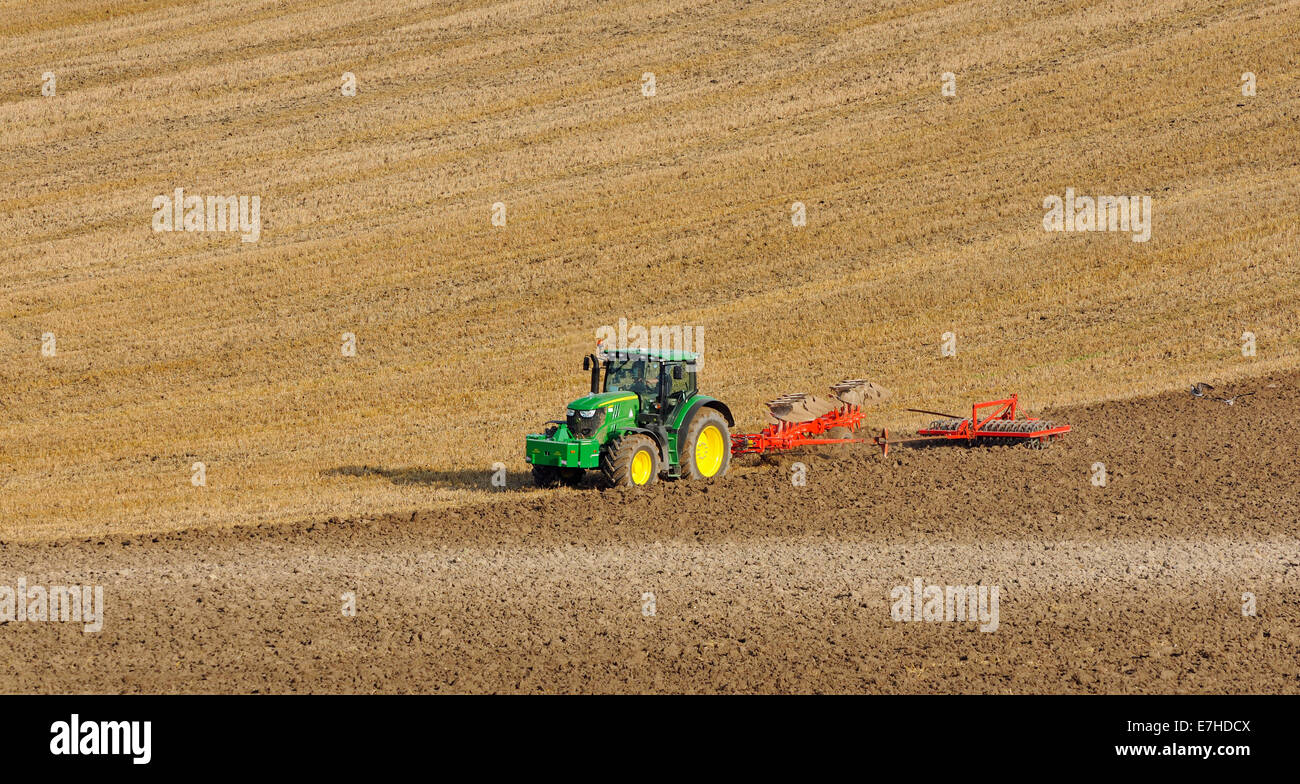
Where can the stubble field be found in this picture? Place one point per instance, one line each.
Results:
(924, 217)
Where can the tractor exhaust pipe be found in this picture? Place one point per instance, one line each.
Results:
(590, 362)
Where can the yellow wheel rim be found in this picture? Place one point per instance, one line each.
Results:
(708, 451)
(642, 463)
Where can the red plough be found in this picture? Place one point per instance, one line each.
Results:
(781, 436)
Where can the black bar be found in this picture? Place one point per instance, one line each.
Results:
(329, 734)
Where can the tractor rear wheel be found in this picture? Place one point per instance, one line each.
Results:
(706, 449)
(630, 461)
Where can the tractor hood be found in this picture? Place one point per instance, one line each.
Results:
(600, 400)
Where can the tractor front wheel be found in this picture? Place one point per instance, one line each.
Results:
(706, 450)
(630, 461)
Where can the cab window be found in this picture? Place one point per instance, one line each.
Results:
(623, 376)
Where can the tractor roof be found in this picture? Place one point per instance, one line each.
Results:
(659, 354)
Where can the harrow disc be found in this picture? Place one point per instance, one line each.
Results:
(1016, 426)
(991, 427)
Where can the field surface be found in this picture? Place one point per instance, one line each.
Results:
(503, 184)
(758, 585)
(924, 217)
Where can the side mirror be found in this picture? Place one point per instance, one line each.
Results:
(678, 375)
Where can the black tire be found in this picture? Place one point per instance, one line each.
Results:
(704, 418)
(617, 457)
(546, 476)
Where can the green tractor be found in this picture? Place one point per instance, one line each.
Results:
(643, 419)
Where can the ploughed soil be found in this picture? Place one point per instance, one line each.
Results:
(759, 585)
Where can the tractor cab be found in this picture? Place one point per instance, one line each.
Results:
(661, 383)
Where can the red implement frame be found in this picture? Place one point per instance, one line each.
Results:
(976, 427)
(780, 436)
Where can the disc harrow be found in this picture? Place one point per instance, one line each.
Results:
(999, 424)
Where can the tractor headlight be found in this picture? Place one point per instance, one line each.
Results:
(568, 412)
(586, 414)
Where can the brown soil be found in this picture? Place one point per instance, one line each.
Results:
(759, 585)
